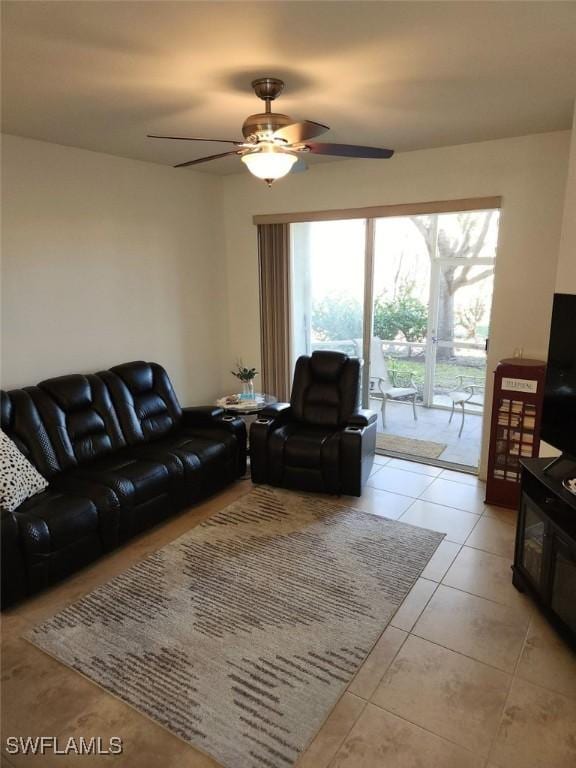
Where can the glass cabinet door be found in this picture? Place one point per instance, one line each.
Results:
(563, 601)
(533, 531)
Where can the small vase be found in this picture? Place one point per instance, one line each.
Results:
(248, 390)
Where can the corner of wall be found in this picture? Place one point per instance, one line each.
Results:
(566, 274)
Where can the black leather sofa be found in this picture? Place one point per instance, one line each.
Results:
(320, 441)
(120, 455)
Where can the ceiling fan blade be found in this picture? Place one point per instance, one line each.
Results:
(205, 159)
(192, 138)
(299, 166)
(348, 150)
(297, 132)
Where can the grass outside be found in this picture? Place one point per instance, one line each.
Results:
(446, 377)
(446, 374)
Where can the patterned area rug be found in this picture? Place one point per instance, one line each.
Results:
(426, 449)
(241, 635)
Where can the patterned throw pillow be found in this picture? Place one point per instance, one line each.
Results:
(18, 478)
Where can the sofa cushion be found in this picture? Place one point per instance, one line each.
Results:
(79, 417)
(208, 457)
(306, 446)
(305, 457)
(230, 431)
(133, 479)
(146, 403)
(213, 453)
(18, 478)
(225, 442)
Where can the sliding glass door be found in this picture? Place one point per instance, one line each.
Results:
(399, 297)
(410, 295)
(463, 263)
(327, 284)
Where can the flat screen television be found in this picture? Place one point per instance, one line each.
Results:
(559, 410)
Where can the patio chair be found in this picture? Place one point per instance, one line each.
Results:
(466, 394)
(386, 384)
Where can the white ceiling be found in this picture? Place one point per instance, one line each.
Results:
(406, 75)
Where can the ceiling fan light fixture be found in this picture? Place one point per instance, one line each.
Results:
(272, 142)
(269, 163)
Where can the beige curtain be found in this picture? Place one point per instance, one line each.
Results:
(274, 271)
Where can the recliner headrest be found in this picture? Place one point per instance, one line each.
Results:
(138, 376)
(22, 423)
(326, 365)
(72, 392)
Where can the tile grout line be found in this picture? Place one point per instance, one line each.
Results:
(480, 597)
(473, 529)
(460, 653)
(437, 735)
(513, 677)
(386, 490)
(450, 506)
(413, 471)
(456, 544)
(486, 551)
(348, 732)
(439, 476)
(446, 535)
(423, 728)
(409, 631)
(369, 700)
(443, 506)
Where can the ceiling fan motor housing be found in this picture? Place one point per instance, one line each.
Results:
(268, 88)
(263, 125)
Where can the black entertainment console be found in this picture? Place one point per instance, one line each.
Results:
(545, 554)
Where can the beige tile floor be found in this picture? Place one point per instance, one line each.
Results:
(467, 674)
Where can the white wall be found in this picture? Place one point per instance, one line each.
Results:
(566, 272)
(566, 277)
(107, 260)
(529, 172)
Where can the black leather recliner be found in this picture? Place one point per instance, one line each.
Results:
(120, 455)
(320, 441)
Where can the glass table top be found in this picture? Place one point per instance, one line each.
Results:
(242, 405)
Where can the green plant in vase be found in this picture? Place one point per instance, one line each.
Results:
(246, 376)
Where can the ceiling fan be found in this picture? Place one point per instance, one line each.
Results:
(273, 142)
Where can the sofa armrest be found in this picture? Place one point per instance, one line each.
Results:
(212, 417)
(14, 579)
(279, 413)
(357, 450)
(103, 497)
(201, 415)
(269, 419)
(362, 418)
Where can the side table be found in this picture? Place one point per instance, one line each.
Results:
(246, 409)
